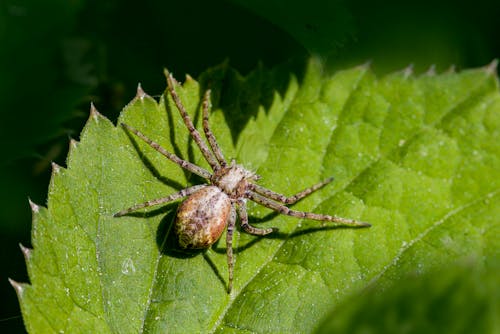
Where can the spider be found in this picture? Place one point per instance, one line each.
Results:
(210, 208)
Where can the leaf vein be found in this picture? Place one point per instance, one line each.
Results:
(423, 234)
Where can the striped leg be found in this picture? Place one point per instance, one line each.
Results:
(229, 248)
(242, 211)
(170, 198)
(268, 203)
(172, 157)
(292, 199)
(209, 134)
(189, 124)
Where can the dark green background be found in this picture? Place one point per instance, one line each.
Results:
(57, 56)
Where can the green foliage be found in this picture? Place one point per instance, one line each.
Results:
(457, 299)
(416, 156)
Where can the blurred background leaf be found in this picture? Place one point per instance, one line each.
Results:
(57, 56)
(452, 299)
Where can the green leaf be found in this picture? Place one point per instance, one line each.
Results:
(453, 299)
(416, 156)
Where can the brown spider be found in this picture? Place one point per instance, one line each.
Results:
(212, 207)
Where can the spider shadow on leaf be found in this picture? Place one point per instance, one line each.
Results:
(241, 97)
(168, 242)
(275, 235)
(211, 208)
(150, 166)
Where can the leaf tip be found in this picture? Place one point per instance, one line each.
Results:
(55, 168)
(94, 114)
(366, 65)
(492, 67)
(171, 82)
(431, 71)
(408, 71)
(34, 207)
(26, 251)
(73, 143)
(19, 287)
(140, 94)
(92, 107)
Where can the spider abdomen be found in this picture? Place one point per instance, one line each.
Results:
(202, 218)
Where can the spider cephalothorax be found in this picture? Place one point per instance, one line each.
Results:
(211, 208)
(233, 179)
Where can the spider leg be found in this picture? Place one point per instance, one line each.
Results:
(268, 203)
(172, 157)
(242, 211)
(183, 193)
(209, 134)
(292, 199)
(229, 248)
(189, 124)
